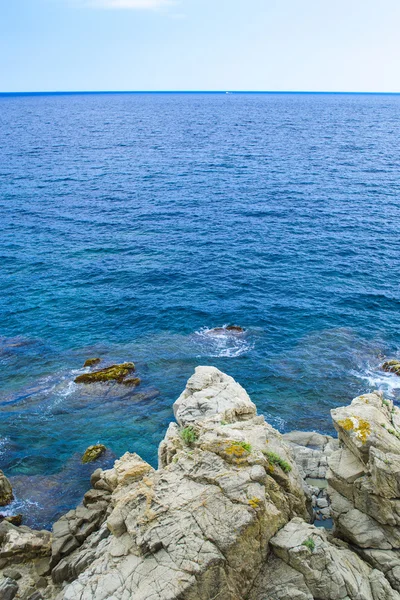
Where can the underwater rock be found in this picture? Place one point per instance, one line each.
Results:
(227, 328)
(132, 381)
(6, 494)
(113, 373)
(92, 453)
(90, 362)
(392, 366)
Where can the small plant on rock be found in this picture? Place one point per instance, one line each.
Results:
(245, 445)
(310, 544)
(275, 459)
(189, 435)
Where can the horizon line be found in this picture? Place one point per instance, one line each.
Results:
(88, 92)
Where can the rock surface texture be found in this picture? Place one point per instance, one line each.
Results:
(200, 524)
(364, 481)
(226, 514)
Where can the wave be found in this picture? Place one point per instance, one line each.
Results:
(222, 343)
(378, 379)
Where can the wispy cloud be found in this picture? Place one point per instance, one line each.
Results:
(130, 4)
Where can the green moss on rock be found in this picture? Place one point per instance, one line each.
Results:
(392, 366)
(6, 494)
(93, 453)
(114, 373)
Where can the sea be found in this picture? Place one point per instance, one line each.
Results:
(132, 224)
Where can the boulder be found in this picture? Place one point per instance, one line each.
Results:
(6, 494)
(210, 392)
(113, 373)
(92, 453)
(91, 362)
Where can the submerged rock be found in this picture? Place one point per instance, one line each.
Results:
(6, 493)
(227, 328)
(90, 362)
(113, 373)
(132, 381)
(392, 366)
(92, 453)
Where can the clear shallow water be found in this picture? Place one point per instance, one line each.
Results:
(131, 224)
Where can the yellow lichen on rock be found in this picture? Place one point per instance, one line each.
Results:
(361, 427)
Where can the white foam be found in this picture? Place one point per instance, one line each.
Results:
(222, 343)
(387, 382)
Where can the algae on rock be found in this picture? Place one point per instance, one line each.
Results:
(113, 373)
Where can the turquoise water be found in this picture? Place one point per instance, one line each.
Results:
(133, 223)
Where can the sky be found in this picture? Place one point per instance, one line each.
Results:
(260, 45)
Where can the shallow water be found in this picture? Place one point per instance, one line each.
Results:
(133, 224)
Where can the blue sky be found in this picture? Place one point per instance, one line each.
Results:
(306, 45)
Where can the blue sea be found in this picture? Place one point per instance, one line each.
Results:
(132, 224)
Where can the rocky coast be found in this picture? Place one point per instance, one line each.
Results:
(235, 511)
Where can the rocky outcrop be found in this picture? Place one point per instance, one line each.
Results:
(226, 514)
(364, 481)
(307, 565)
(311, 451)
(18, 544)
(201, 523)
(6, 494)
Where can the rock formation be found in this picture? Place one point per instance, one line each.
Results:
(92, 453)
(364, 481)
(116, 373)
(227, 513)
(6, 494)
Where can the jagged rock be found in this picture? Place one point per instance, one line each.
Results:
(8, 589)
(18, 544)
(330, 571)
(201, 523)
(91, 362)
(72, 529)
(70, 567)
(210, 392)
(113, 373)
(311, 451)
(369, 422)
(280, 582)
(92, 453)
(6, 494)
(364, 474)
